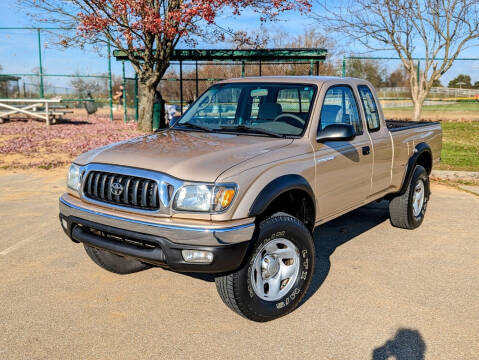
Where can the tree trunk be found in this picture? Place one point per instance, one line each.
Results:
(418, 92)
(146, 94)
(416, 115)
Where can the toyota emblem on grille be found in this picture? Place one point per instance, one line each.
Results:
(116, 188)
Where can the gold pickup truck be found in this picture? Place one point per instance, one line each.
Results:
(236, 186)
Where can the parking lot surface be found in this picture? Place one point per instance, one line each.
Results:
(378, 292)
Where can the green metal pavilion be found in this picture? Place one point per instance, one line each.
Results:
(232, 57)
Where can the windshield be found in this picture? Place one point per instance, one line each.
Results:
(271, 109)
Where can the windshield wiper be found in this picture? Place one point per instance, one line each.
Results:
(195, 126)
(252, 130)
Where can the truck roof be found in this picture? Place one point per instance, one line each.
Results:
(318, 80)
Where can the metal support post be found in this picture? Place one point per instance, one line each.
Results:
(196, 80)
(125, 118)
(40, 67)
(110, 89)
(47, 113)
(418, 72)
(136, 97)
(181, 87)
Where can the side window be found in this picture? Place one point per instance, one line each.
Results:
(370, 109)
(340, 107)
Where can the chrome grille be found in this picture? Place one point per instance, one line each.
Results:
(123, 190)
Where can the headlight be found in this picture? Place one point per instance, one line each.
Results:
(74, 177)
(204, 198)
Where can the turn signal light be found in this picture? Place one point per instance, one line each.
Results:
(223, 197)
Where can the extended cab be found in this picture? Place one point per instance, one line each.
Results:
(236, 186)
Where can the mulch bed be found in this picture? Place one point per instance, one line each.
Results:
(26, 143)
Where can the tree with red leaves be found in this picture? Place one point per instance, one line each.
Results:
(155, 27)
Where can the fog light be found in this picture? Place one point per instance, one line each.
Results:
(65, 224)
(197, 256)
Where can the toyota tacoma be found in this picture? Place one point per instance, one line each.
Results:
(236, 186)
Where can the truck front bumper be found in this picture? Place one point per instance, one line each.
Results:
(154, 242)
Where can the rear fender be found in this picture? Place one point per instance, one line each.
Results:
(419, 151)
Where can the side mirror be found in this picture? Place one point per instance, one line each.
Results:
(336, 132)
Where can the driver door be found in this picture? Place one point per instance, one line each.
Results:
(343, 168)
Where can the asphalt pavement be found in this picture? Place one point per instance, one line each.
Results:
(378, 292)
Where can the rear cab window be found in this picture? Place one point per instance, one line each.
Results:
(295, 100)
(370, 108)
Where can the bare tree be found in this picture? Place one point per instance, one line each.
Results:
(35, 81)
(370, 70)
(84, 86)
(439, 29)
(310, 38)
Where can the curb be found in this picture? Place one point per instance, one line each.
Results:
(455, 175)
(470, 188)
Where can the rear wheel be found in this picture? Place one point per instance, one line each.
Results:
(277, 273)
(114, 263)
(407, 210)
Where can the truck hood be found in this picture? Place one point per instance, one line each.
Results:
(186, 155)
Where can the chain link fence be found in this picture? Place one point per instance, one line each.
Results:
(34, 64)
(457, 89)
(42, 68)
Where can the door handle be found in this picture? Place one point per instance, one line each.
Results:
(366, 150)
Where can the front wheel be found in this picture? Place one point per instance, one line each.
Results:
(276, 275)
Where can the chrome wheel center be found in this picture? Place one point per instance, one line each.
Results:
(275, 269)
(269, 267)
(418, 198)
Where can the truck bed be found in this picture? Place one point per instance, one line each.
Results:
(398, 125)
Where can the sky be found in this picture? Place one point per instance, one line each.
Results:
(19, 48)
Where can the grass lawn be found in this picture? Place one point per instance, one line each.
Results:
(460, 126)
(464, 111)
(460, 146)
(462, 106)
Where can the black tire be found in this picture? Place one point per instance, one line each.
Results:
(236, 289)
(115, 263)
(401, 209)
